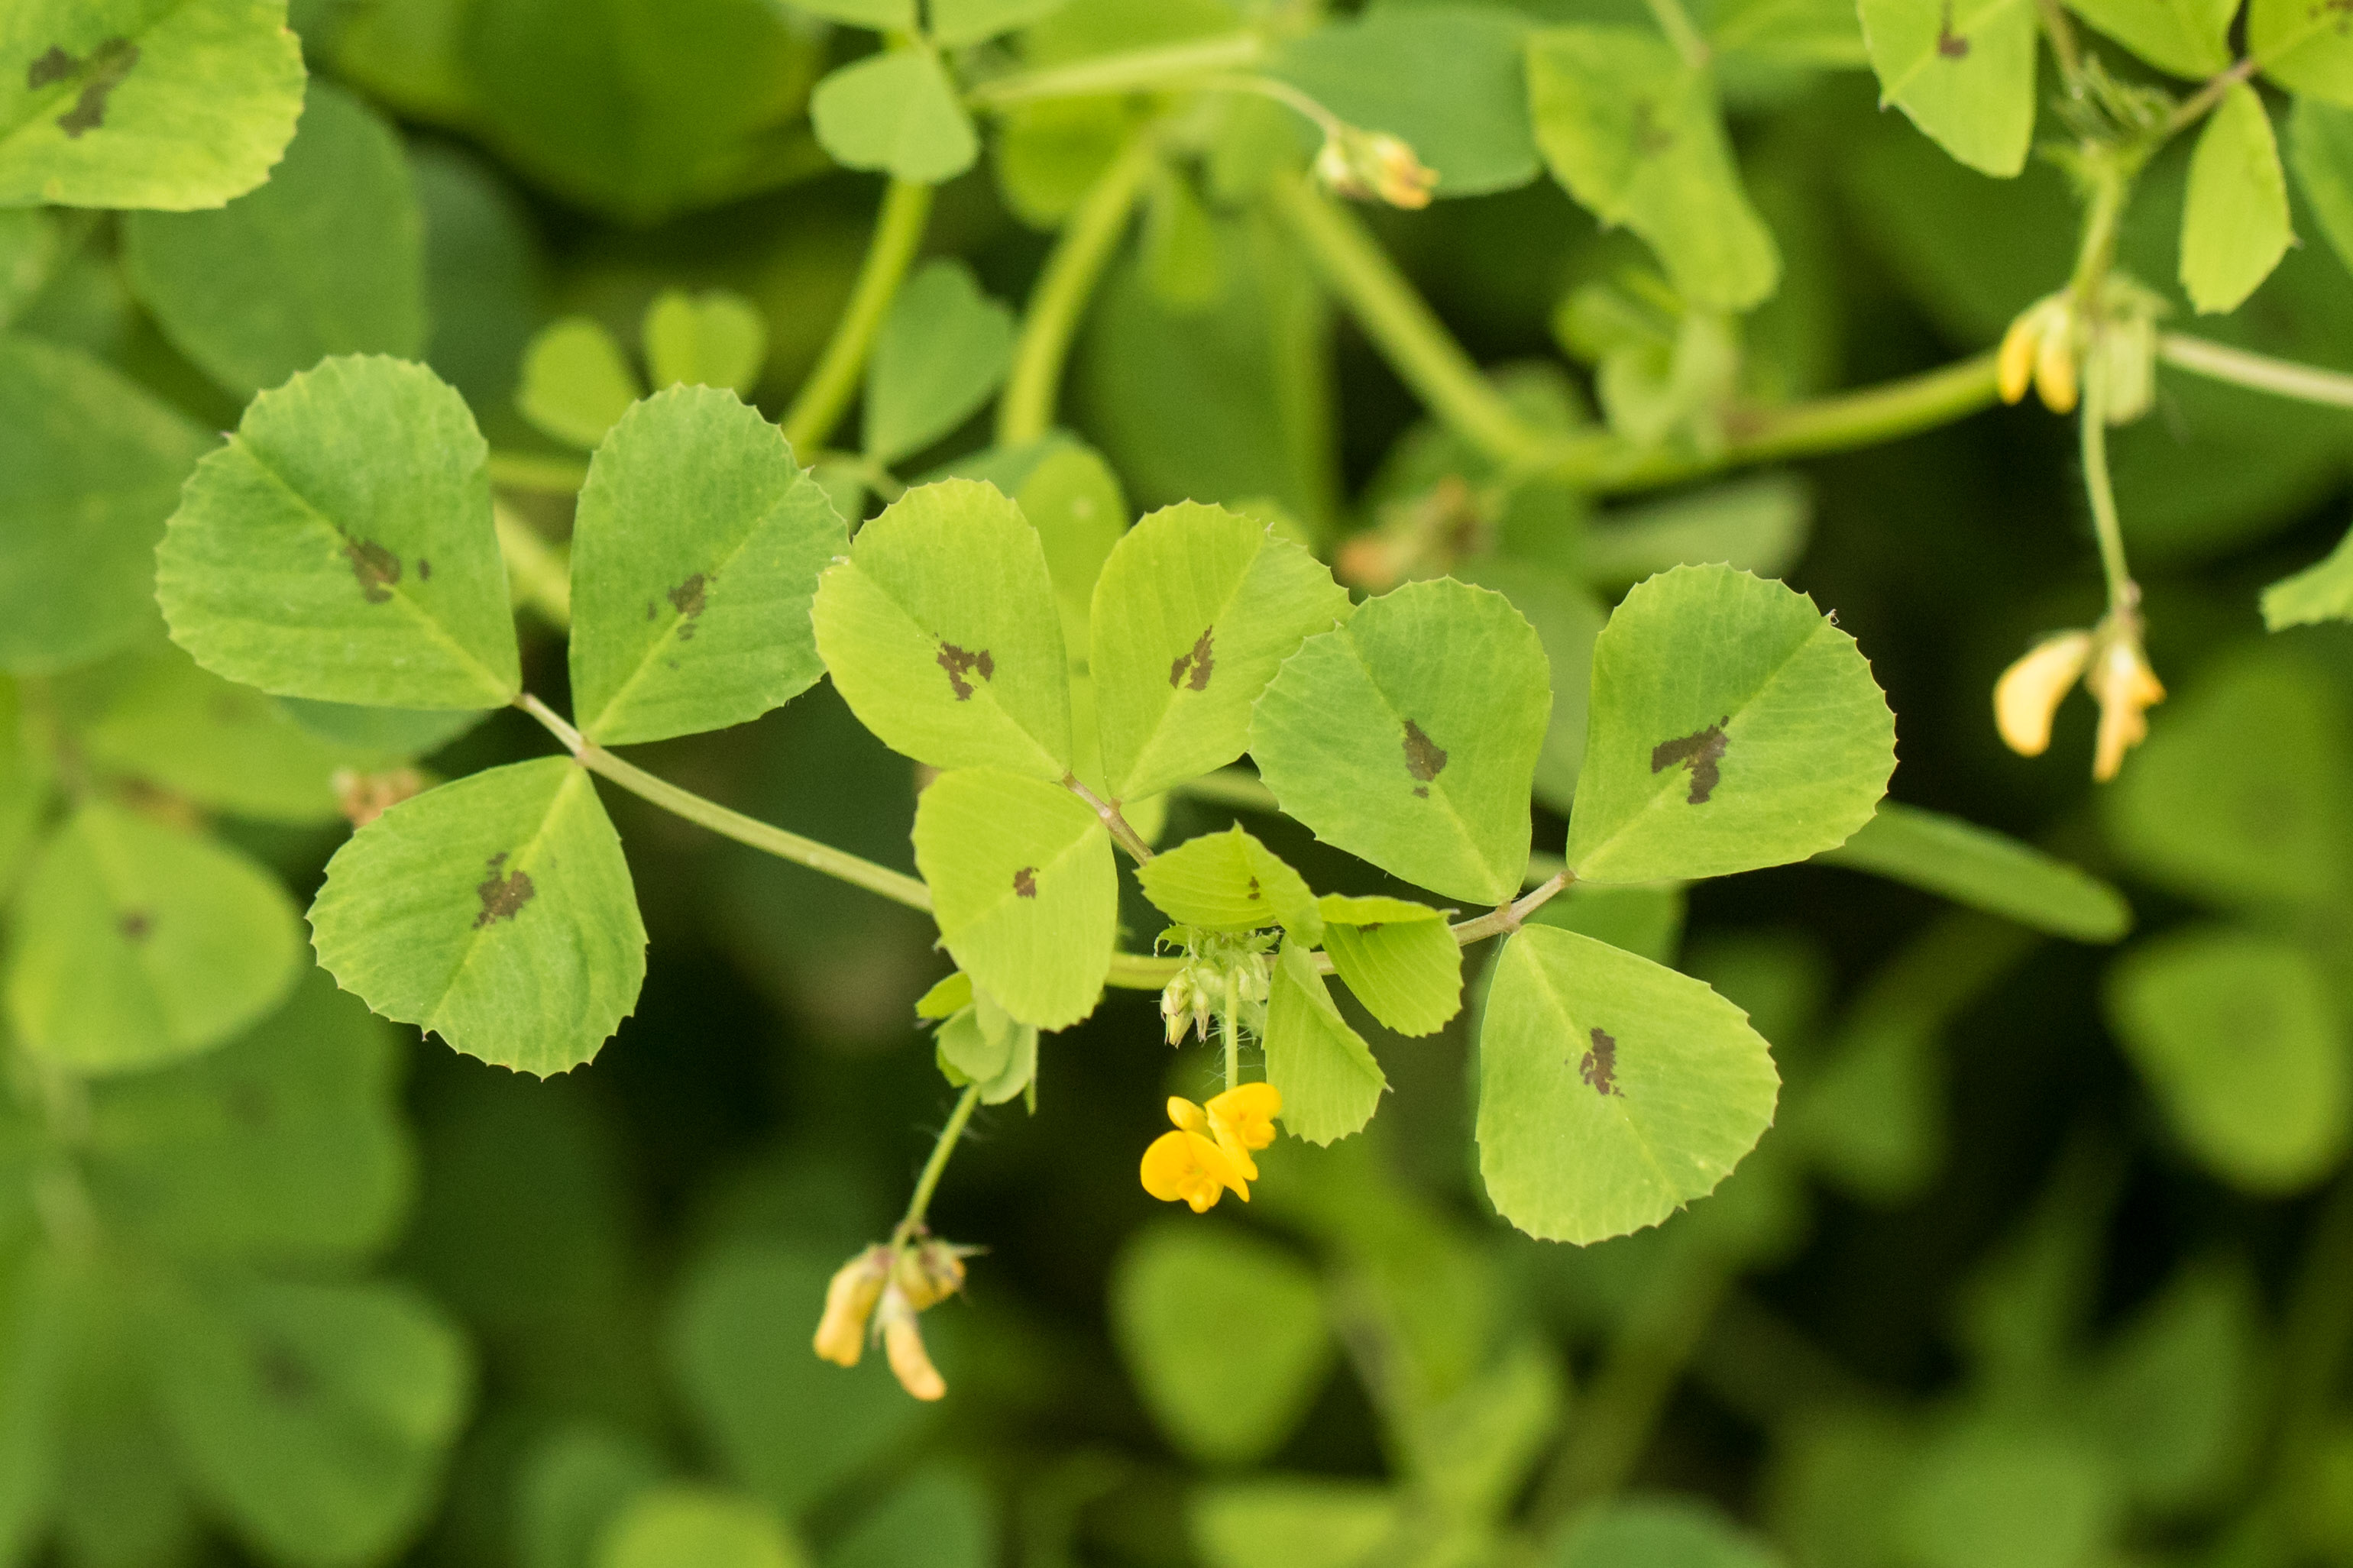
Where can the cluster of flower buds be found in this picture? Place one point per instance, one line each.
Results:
(2109, 662)
(879, 1294)
(2054, 345)
(1372, 165)
(1189, 1002)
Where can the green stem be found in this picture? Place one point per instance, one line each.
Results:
(2191, 108)
(1124, 835)
(837, 863)
(543, 471)
(1233, 1029)
(919, 1204)
(2285, 378)
(540, 572)
(898, 231)
(1137, 71)
(2122, 595)
(2096, 253)
(1403, 327)
(1027, 410)
(1676, 24)
(2064, 45)
(1512, 916)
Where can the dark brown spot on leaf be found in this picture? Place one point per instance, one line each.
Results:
(1600, 1067)
(108, 64)
(1025, 881)
(687, 600)
(1253, 889)
(1702, 749)
(1193, 668)
(650, 610)
(1424, 759)
(424, 569)
(503, 897)
(377, 568)
(1949, 44)
(958, 664)
(1421, 792)
(285, 1376)
(54, 66)
(136, 924)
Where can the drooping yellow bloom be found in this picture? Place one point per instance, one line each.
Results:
(2126, 689)
(849, 1303)
(2029, 692)
(902, 1343)
(1184, 1167)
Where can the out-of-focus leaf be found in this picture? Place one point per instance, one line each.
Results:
(1984, 869)
(710, 339)
(1964, 73)
(1757, 525)
(2302, 47)
(2320, 150)
(576, 381)
(942, 350)
(2189, 37)
(1657, 1533)
(896, 112)
(668, 1526)
(2321, 592)
(1286, 1523)
(2236, 227)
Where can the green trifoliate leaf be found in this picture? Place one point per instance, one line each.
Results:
(1964, 71)
(695, 558)
(326, 259)
(2219, 805)
(1195, 610)
(576, 381)
(90, 466)
(339, 546)
(941, 634)
(1224, 1398)
(314, 1418)
(1329, 1082)
(222, 745)
(1611, 1091)
(2305, 47)
(2234, 226)
(1229, 881)
(2321, 592)
(982, 1044)
(710, 339)
(1023, 888)
(2320, 150)
(496, 911)
(138, 944)
(955, 23)
(1734, 727)
(1409, 737)
(942, 350)
(145, 103)
(1446, 79)
(2187, 38)
(2237, 1038)
(286, 1144)
(897, 113)
(1635, 135)
(1986, 871)
(673, 1524)
(1399, 958)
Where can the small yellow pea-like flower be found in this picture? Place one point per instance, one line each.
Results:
(902, 1343)
(849, 1300)
(2126, 689)
(1242, 1120)
(1375, 166)
(1184, 1167)
(2029, 694)
(2040, 351)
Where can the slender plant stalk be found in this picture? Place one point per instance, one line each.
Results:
(1137, 71)
(919, 1203)
(2262, 373)
(541, 573)
(548, 473)
(1127, 837)
(898, 232)
(1676, 24)
(2123, 593)
(1026, 411)
(2197, 104)
(1512, 916)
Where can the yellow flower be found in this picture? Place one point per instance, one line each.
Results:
(1373, 165)
(2039, 349)
(2126, 689)
(1242, 1120)
(929, 1273)
(1184, 1167)
(903, 1343)
(849, 1303)
(2029, 692)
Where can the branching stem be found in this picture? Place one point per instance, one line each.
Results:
(1510, 916)
(1137, 71)
(898, 232)
(1026, 411)
(1126, 837)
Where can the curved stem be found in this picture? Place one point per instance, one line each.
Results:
(1135, 70)
(2285, 378)
(2122, 595)
(919, 1204)
(898, 231)
(1026, 411)
(1676, 24)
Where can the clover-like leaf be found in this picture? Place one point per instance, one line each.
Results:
(2234, 224)
(1195, 610)
(1399, 958)
(2303, 46)
(1734, 726)
(340, 547)
(2189, 37)
(940, 354)
(713, 338)
(1023, 888)
(897, 112)
(1612, 1090)
(1410, 736)
(1230, 881)
(1964, 71)
(1329, 1082)
(496, 911)
(695, 557)
(940, 633)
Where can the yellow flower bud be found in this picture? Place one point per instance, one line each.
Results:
(1398, 177)
(929, 1273)
(2054, 366)
(2126, 689)
(902, 1343)
(849, 1303)
(2029, 692)
(2015, 364)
